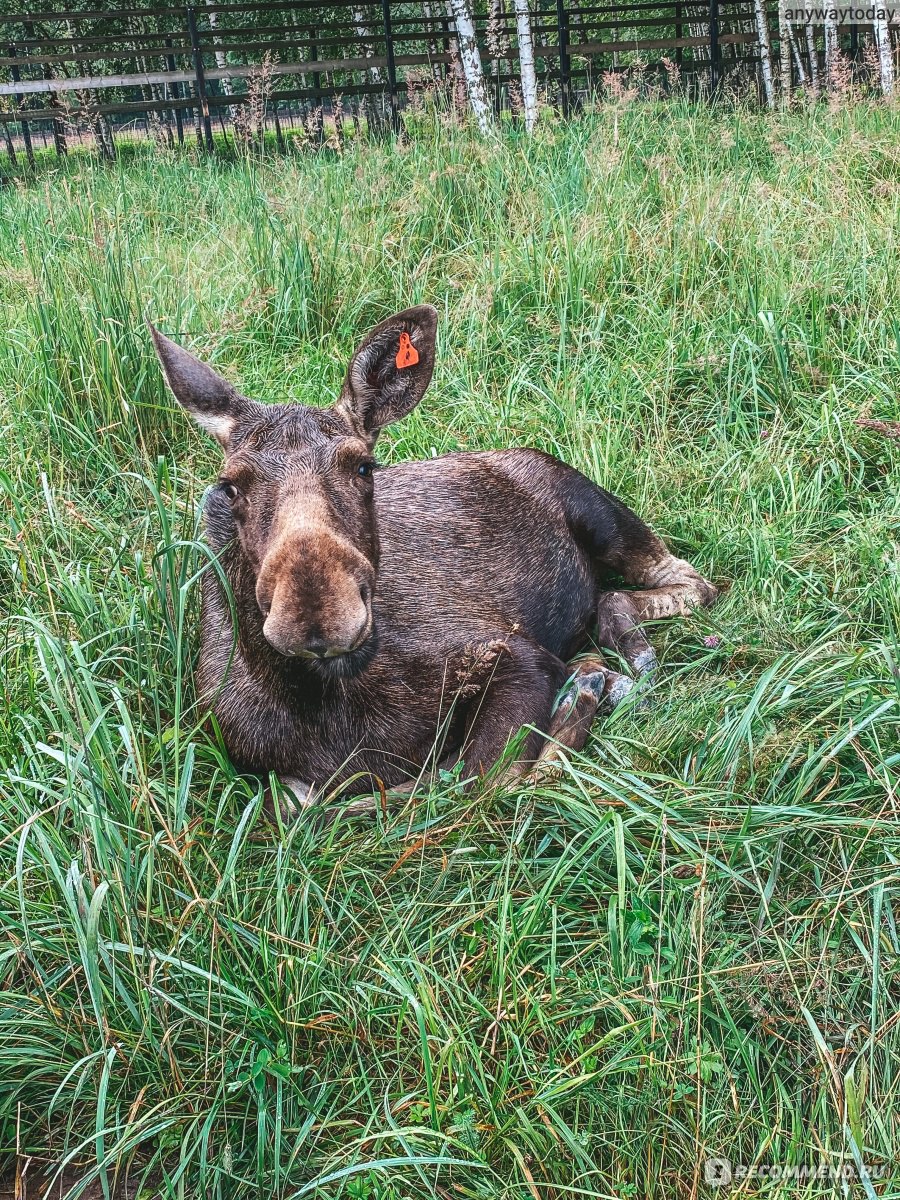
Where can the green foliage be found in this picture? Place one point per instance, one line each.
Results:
(686, 945)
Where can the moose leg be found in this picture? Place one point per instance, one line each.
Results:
(670, 587)
(523, 683)
(523, 695)
(594, 691)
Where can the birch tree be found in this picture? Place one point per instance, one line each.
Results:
(365, 41)
(802, 77)
(784, 49)
(831, 49)
(765, 51)
(471, 65)
(885, 54)
(526, 64)
(813, 54)
(220, 56)
(459, 95)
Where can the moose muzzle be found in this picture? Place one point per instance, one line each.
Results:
(315, 594)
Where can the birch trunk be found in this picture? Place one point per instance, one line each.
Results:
(885, 55)
(457, 73)
(784, 50)
(802, 77)
(813, 55)
(471, 65)
(831, 48)
(364, 34)
(526, 65)
(365, 40)
(765, 51)
(221, 59)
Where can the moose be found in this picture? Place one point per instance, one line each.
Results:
(388, 618)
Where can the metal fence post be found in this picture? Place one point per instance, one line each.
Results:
(715, 49)
(391, 65)
(565, 65)
(201, 78)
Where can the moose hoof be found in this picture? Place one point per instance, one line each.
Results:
(294, 797)
(616, 688)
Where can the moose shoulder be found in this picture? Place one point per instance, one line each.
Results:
(387, 615)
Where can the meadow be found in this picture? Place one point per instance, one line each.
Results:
(686, 946)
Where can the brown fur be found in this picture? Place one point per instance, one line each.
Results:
(429, 607)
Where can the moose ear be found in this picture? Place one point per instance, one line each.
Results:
(390, 371)
(215, 404)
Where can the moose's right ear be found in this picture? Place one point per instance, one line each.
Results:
(215, 404)
(390, 371)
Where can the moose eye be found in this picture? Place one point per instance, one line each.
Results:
(230, 491)
(365, 469)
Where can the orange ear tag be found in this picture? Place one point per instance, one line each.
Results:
(407, 355)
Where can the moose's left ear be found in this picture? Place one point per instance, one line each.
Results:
(215, 404)
(390, 371)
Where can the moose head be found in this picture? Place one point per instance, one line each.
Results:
(296, 491)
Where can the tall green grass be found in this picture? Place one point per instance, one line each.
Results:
(687, 946)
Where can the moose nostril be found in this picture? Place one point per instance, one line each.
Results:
(364, 593)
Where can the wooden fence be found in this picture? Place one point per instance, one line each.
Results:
(162, 68)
